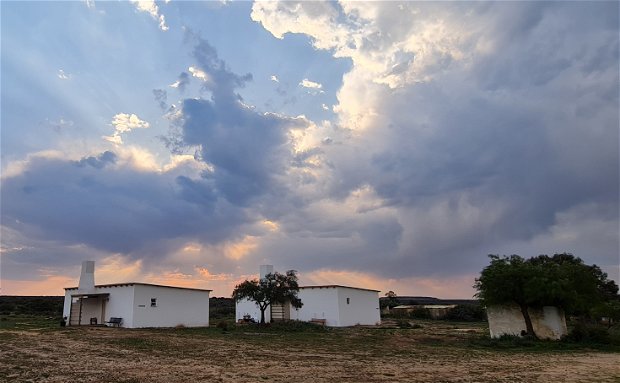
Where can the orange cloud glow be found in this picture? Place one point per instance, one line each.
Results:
(455, 287)
(53, 285)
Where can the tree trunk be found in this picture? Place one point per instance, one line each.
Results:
(528, 321)
(262, 314)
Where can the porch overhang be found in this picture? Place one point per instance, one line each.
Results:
(87, 295)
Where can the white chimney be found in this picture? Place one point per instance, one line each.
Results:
(87, 277)
(264, 270)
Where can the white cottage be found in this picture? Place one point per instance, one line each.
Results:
(134, 304)
(333, 305)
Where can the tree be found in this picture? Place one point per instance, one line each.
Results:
(562, 280)
(391, 300)
(274, 288)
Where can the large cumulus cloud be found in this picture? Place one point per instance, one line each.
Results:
(462, 129)
(113, 206)
(479, 125)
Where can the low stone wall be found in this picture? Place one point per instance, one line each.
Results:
(548, 322)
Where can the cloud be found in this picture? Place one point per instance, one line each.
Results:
(217, 78)
(124, 123)
(62, 75)
(198, 73)
(310, 84)
(458, 126)
(181, 82)
(161, 97)
(152, 9)
(106, 203)
(248, 150)
(461, 129)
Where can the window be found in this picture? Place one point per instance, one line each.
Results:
(153, 302)
(348, 300)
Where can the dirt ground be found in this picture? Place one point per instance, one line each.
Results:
(438, 352)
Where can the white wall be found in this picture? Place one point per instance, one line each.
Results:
(120, 303)
(318, 303)
(363, 307)
(91, 308)
(66, 308)
(548, 322)
(175, 307)
(248, 307)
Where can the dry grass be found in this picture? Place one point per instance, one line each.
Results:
(438, 352)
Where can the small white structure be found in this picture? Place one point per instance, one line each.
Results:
(136, 304)
(548, 322)
(333, 305)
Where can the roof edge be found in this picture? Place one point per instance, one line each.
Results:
(335, 286)
(142, 284)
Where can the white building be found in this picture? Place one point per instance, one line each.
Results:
(333, 305)
(137, 304)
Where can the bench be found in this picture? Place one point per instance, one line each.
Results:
(318, 321)
(115, 322)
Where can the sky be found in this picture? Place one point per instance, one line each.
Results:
(384, 145)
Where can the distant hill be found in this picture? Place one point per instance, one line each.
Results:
(221, 308)
(414, 300)
(31, 305)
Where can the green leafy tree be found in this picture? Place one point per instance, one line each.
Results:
(562, 280)
(274, 288)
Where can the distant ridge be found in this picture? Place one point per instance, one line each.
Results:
(415, 300)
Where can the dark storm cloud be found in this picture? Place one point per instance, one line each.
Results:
(182, 81)
(475, 162)
(98, 162)
(248, 149)
(117, 210)
(514, 149)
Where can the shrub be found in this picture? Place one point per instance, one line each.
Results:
(223, 325)
(420, 313)
(288, 326)
(467, 313)
(588, 333)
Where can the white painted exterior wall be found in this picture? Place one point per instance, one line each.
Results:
(548, 322)
(248, 307)
(132, 302)
(174, 307)
(328, 303)
(340, 306)
(318, 303)
(362, 308)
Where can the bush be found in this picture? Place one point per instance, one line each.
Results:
(288, 326)
(588, 333)
(223, 325)
(467, 313)
(420, 313)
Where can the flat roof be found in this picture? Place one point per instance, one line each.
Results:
(334, 286)
(424, 306)
(139, 283)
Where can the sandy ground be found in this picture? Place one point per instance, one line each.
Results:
(432, 354)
